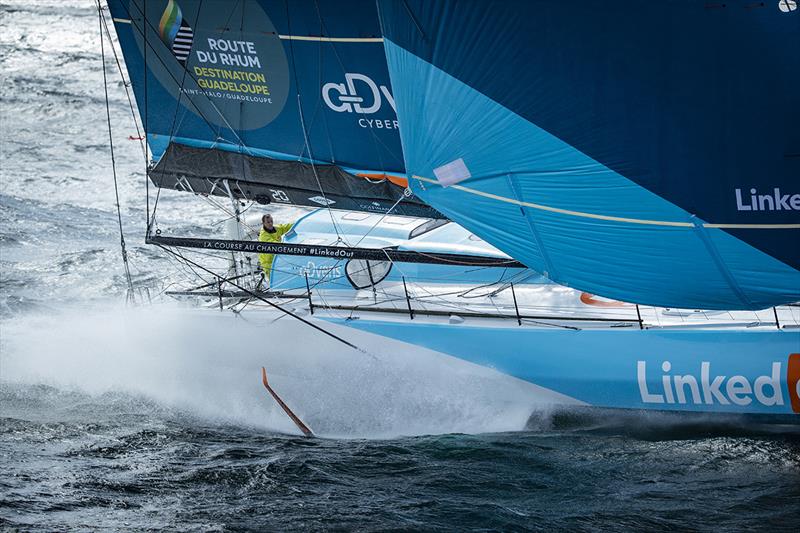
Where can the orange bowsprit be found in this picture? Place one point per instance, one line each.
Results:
(380, 176)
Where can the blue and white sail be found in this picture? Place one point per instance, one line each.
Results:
(643, 151)
(255, 91)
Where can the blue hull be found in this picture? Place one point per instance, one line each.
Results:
(695, 370)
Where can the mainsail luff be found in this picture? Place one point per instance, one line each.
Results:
(613, 146)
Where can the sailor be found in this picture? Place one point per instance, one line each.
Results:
(270, 233)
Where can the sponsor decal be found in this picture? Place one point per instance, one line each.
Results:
(280, 196)
(360, 94)
(787, 6)
(711, 389)
(321, 200)
(774, 201)
(236, 75)
(276, 248)
(373, 207)
(793, 380)
(314, 271)
(234, 82)
(176, 32)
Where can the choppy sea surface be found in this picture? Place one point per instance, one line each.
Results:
(120, 418)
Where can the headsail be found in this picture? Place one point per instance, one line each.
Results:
(643, 151)
(264, 88)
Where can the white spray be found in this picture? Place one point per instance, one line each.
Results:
(208, 364)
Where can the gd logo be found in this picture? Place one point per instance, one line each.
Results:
(348, 96)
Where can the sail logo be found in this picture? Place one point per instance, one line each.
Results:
(720, 389)
(321, 200)
(360, 94)
(176, 32)
(350, 101)
(787, 6)
(774, 201)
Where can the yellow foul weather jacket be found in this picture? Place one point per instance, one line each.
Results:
(275, 236)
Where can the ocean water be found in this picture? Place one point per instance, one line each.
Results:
(135, 418)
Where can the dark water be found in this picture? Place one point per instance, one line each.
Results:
(109, 447)
(135, 465)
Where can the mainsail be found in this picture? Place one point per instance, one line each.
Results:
(267, 100)
(643, 151)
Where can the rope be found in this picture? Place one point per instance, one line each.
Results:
(143, 32)
(376, 141)
(125, 84)
(144, 125)
(151, 219)
(274, 305)
(113, 160)
(305, 132)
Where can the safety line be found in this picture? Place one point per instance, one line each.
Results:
(128, 278)
(257, 297)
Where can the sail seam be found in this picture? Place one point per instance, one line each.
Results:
(721, 267)
(551, 270)
(608, 217)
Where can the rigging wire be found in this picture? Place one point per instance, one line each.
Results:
(303, 126)
(126, 84)
(151, 220)
(268, 302)
(376, 141)
(145, 125)
(142, 31)
(113, 160)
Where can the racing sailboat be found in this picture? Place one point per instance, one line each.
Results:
(512, 184)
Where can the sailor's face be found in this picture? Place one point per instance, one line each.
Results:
(267, 221)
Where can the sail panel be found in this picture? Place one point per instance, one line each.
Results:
(302, 80)
(613, 146)
(266, 181)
